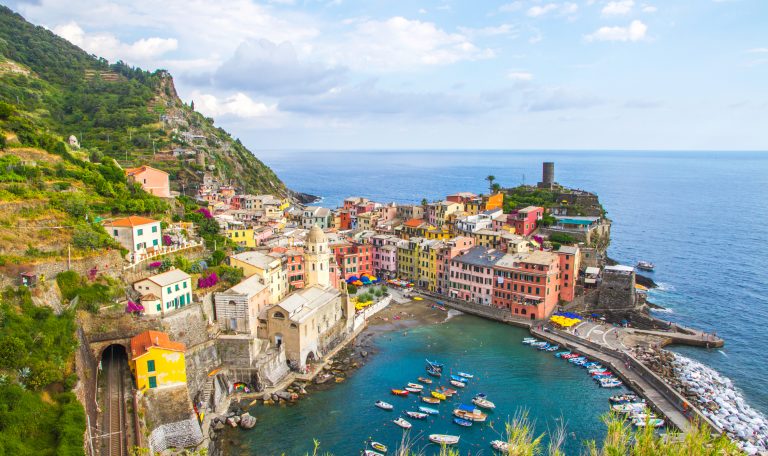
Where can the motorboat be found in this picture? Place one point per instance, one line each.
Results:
(529, 340)
(429, 410)
(430, 400)
(416, 415)
(466, 375)
(544, 347)
(444, 439)
(379, 447)
(434, 364)
(500, 445)
(402, 423)
(372, 453)
(384, 405)
(628, 407)
(570, 356)
(415, 386)
(438, 395)
(610, 382)
(552, 348)
(468, 412)
(434, 372)
(399, 392)
(462, 422)
(413, 390)
(483, 403)
(645, 265)
(624, 398)
(652, 422)
(558, 355)
(425, 380)
(458, 384)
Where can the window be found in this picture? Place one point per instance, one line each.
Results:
(177, 287)
(151, 365)
(184, 285)
(169, 290)
(154, 229)
(140, 231)
(154, 242)
(114, 232)
(278, 315)
(153, 382)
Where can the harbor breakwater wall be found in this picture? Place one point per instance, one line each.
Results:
(479, 310)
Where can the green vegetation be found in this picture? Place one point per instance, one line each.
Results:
(520, 197)
(90, 295)
(36, 353)
(351, 289)
(364, 297)
(561, 238)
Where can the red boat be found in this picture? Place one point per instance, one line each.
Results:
(398, 392)
(572, 355)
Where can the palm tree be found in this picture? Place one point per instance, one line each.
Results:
(490, 180)
(495, 188)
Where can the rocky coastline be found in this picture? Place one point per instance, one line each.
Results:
(714, 394)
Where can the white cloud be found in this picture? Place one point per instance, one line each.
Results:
(635, 31)
(520, 76)
(511, 7)
(503, 29)
(561, 9)
(618, 8)
(400, 43)
(108, 46)
(537, 11)
(422, 11)
(237, 105)
(649, 9)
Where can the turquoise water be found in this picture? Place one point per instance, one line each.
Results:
(514, 376)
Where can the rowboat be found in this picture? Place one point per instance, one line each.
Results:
(372, 453)
(415, 385)
(462, 422)
(384, 405)
(610, 383)
(458, 384)
(447, 391)
(379, 446)
(402, 423)
(466, 375)
(434, 364)
(444, 439)
(624, 398)
(437, 395)
(552, 348)
(429, 410)
(652, 422)
(426, 380)
(430, 400)
(413, 390)
(416, 415)
(469, 413)
(458, 379)
(500, 445)
(558, 355)
(399, 392)
(484, 403)
(434, 373)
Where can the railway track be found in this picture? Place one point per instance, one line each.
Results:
(114, 414)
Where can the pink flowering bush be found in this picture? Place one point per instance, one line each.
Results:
(208, 281)
(155, 264)
(206, 213)
(167, 240)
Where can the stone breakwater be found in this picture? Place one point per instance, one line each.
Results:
(723, 404)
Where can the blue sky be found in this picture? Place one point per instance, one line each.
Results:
(527, 74)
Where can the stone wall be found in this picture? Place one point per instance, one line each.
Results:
(489, 312)
(200, 361)
(238, 351)
(181, 434)
(188, 325)
(109, 263)
(617, 291)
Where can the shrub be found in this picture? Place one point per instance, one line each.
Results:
(205, 212)
(155, 264)
(231, 275)
(217, 257)
(208, 281)
(561, 238)
(167, 240)
(351, 289)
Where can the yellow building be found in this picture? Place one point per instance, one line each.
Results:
(408, 259)
(427, 267)
(438, 234)
(156, 361)
(267, 267)
(241, 237)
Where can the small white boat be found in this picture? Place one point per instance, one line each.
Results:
(610, 383)
(415, 386)
(530, 340)
(652, 422)
(444, 439)
(466, 375)
(402, 423)
(379, 447)
(645, 265)
(628, 407)
(458, 384)
(416, 415)
(413, 390)
(484, 403)
(500, 445)
(372, 453)
(384, 405)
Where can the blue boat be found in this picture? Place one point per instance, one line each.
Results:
(429, 410)
(465, 375)
(458, 378)
(562, 353)
(434, 372)
(462, 422)
(434, 364)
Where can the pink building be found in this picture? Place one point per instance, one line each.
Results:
(384, 255)
(263, 233)
(449, 250)
(527, 284)
(387, 212)
(152, 180)
(569, 271)
(472, 277)
(461, 197)
(526, 219)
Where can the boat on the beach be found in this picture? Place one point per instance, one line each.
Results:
(430, 400)
(403, 423)
(429, 410)
(399, 392)
(379, 447)
(415, 386)
(645, 265)
(458, 384)
(426, 380)
(413, 390)
(466, 375)
(372, 453)
(438, 395)
(416, 415)
(384, 405)
(500, 445)
(483, 402)
(444, 439)
(469, 412)
(462, 422)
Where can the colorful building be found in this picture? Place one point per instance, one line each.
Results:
(570, 264)
(414, 228)
(527, 284)
(164, 292)
(152, 180)
(471, 275)
(237, 309)
(353, 258)
(526, 220)
(447, 251)
(243, 237)
(293, 264)
(156, 361)
(438, 212)
(267, 267)
(137, 234)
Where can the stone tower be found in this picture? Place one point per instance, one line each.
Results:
(317, 258)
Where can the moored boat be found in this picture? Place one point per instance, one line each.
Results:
(483, 402)
(466, 375)
(415, 385)
(434, 373)
(448, 392)
(379, 446)
(623, 398)
(372, 453)
(652, 422)
(558, 355)
(458, 379)
(645, 265)
(403, 423)
(552, 348)
(469, 413)
(500, 445)
(444, 439)
(429, 410)
(438, 395)
(462, 422)
(458, 384)
(628, 407)
(399, 392)
(426, 380)
(413, 390)
(416, 415)
(610, 382)
(384, 405)
(434, 364)
(529, 340)
(430, 400)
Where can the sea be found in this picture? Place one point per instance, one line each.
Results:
(701, 217)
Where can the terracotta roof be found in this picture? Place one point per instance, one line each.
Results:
(140, 169)
(141, 344)
(133, 220)
(414, 223)
(149, 297)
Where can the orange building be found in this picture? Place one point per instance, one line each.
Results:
(527, 284)
(152, 180)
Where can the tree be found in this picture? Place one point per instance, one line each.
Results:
(490, 180)
(192, 105)
(3, 142)
(495, 188)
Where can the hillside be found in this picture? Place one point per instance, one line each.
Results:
(56, 90)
